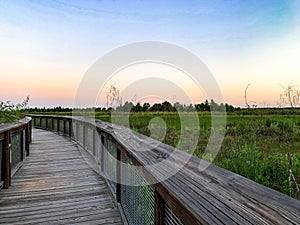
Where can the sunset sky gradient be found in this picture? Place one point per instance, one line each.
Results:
(47, 46)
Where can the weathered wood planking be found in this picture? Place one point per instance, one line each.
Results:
(212, 196)
(57, 186)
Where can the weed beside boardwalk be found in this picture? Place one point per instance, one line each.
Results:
(10, 112)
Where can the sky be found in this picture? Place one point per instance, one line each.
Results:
(46, 47)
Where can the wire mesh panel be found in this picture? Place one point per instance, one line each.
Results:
(80, 133)
(110, 163)
(38, 121)
(61, 126)
(89, 140)
(43, 122)
(137, 197)
(54, 124)
(16, 146)
(1, 150)
(98, 147)
(24, 143)
(67, 131)
(74, 130)
(49, 125)
(170, 218)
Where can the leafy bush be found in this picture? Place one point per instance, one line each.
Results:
(10, 112)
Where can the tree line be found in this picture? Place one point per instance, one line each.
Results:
(168, 107)
(147, 107)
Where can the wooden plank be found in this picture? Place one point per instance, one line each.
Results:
(209, 196)
(57, 186)
(212, 196)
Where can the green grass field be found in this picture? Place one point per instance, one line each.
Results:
(254, 146)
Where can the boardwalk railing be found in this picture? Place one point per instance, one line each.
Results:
(14, 147)
(140, 172)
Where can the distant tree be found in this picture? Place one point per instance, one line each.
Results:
(178, 106)
(137, 108)
(229, 108)
(167, 106)
(146, 106)
(157, 107)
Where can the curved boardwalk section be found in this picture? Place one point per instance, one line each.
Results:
(57, 186)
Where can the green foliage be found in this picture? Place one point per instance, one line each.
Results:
(10, 112)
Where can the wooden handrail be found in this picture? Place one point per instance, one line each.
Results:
(6, 132)
(212, 196)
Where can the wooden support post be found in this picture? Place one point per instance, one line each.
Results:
(84, 130)
(57, 124)
(77, 132)
(27, 138)
(22, 144)
(7, 158)
(52, 124)
(103, 149)
(118, 176)
(65, 128)
(47, 123)
(70, 129)
(94, 141)
(158, 209)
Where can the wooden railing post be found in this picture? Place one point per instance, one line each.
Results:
(65, 128)
(158, 209)
(94, 141)
(118, 176)
(84, 135)
(57, 125)
(77, 132)
(70, 128)
(47, 125)
(103, 148)
(52, 124)
(7, 158)
(22, 143)
(28, 138)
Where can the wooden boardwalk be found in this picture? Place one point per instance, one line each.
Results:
(57, 186)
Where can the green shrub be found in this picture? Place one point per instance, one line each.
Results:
(10, 112)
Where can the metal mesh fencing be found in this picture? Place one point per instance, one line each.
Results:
(170, 218)
(89, 140)
(24, 143)
(38, 122)
(49, 125)
(43, 122)
(67, 131)
(55, 124)
(1, 150)
(74, 130)
(110, 163)
(98, 147)
(16, 147)
(80, 133)
(136, 198)
(61, 126)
